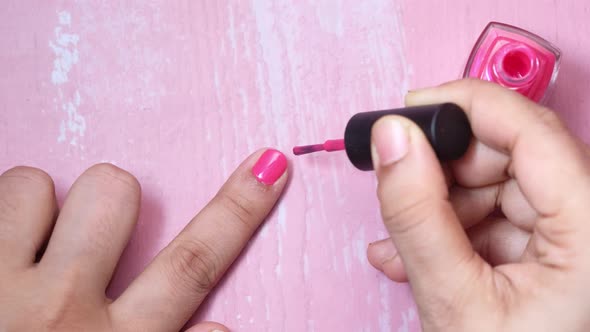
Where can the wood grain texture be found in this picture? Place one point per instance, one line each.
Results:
(178, 92)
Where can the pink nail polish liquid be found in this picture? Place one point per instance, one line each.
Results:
(515, 59)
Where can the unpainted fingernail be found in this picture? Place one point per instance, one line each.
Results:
(391, 141)
(388, 266)
(416, 96)
(388, 250)
(416, 91)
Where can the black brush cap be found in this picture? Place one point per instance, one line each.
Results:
(445, 125)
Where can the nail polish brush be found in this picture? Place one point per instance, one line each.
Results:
(445, 126)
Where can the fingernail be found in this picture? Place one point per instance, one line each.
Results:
(388, 257)
(270, 166)
(380, 252)
(391, 141)
(388, 267)
(417, 97)
(387, 249)
(413, 92)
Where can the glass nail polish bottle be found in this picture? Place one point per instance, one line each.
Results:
(515, 59)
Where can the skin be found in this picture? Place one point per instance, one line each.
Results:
(65, 289)
(497, 241)
(524, 268)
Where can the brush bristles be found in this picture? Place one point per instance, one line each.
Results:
(305, 149)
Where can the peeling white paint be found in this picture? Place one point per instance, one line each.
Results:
(360, 246)
(267, 311)
(64, 47)
(65, 50)
(75, 123)
(385, 315)
(65, 18)
(408, 316)
(282, 216)
(347, 260)
(305, 266)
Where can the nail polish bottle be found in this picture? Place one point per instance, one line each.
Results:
(515, 59)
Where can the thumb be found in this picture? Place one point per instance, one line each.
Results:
(413, 194)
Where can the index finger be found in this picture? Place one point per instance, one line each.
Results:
(169, 291)
(515, 137)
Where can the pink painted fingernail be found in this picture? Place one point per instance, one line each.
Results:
(270, 166)
(391, 141)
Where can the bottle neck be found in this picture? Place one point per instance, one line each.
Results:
(514, 65)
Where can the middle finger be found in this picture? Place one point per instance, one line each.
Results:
(93, 227)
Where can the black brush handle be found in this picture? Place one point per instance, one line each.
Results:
(445, 125)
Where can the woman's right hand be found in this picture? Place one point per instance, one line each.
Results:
(525, 269)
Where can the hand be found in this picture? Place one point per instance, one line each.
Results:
(471, 268)
(64, 289)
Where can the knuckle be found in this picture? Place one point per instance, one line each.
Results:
(473, 83)
(239, 207)
(550, 119)
(62, 299)
(475, 86)
(406, 217)
(8, 208)
(194, 267)
(103, 227)
(447, 308)
(439, 313)
(113, 175)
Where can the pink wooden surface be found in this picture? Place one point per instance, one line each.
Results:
(178, 92)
